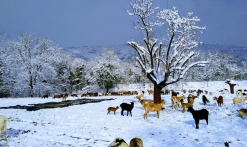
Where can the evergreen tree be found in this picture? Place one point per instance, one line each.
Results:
(76, 78)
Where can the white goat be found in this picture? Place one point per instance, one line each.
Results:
(3, 125)
(238, 100)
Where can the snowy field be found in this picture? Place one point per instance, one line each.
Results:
(88, 125)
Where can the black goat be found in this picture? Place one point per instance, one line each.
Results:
(198, 115)
(45, 96)
(127, 107)
(227, 144)
(205, 100)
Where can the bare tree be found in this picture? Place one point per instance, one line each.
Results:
(166, 64)
(34, 59)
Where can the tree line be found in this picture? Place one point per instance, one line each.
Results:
(32, 66)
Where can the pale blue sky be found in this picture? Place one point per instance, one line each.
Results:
(105, 22)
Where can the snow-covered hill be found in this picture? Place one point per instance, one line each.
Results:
(125, 52)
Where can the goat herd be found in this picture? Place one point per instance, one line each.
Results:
(177, 101)
(149, 106)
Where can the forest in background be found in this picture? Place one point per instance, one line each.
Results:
(34, 66)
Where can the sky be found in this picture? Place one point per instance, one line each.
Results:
(105, 22)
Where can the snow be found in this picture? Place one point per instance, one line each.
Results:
(89, 125)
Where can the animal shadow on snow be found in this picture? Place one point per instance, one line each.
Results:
(208, 104)
(14, 133)
(152, 114)
(202, 123)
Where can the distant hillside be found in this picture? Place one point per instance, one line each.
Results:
(125, 52)
(237, 51)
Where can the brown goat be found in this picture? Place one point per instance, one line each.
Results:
(74, 95)
(150, 92)
(57, 96)
(219, 100)
(136, 142)
(134, 92)
(187, 105)
(121, 93)
(64, 97)
(190, 96)
(153, 107)
(242, 112)
(176, 100)
(139, 96)
(144, 102)
(112, 109)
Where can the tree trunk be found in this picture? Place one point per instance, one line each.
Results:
(157, 93)
(31, 85)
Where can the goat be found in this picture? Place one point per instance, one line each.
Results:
(199, 91)
(144, 102)
(127, 107)
(226, 144)
(152, 107)
(120, 93)
(45, 96)
(226, 90)
(134, 93)
(174, 93)
(136, 142)
(108, 94)
(150, 92)
(74, 95)
(190, 96)
(221, 91)
(57, 96)
(198, 115)
(219, 100)
(64, 97)
(237, 100)
(139, 96)
(205, 100)
(187, 105)
(118, 142)
(3, 126)
(167, 91)
(176, 100)
(112, 109)
(100, 94)
(242, 112)
(127, 93)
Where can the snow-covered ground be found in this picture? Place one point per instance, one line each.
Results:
(88, 125)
